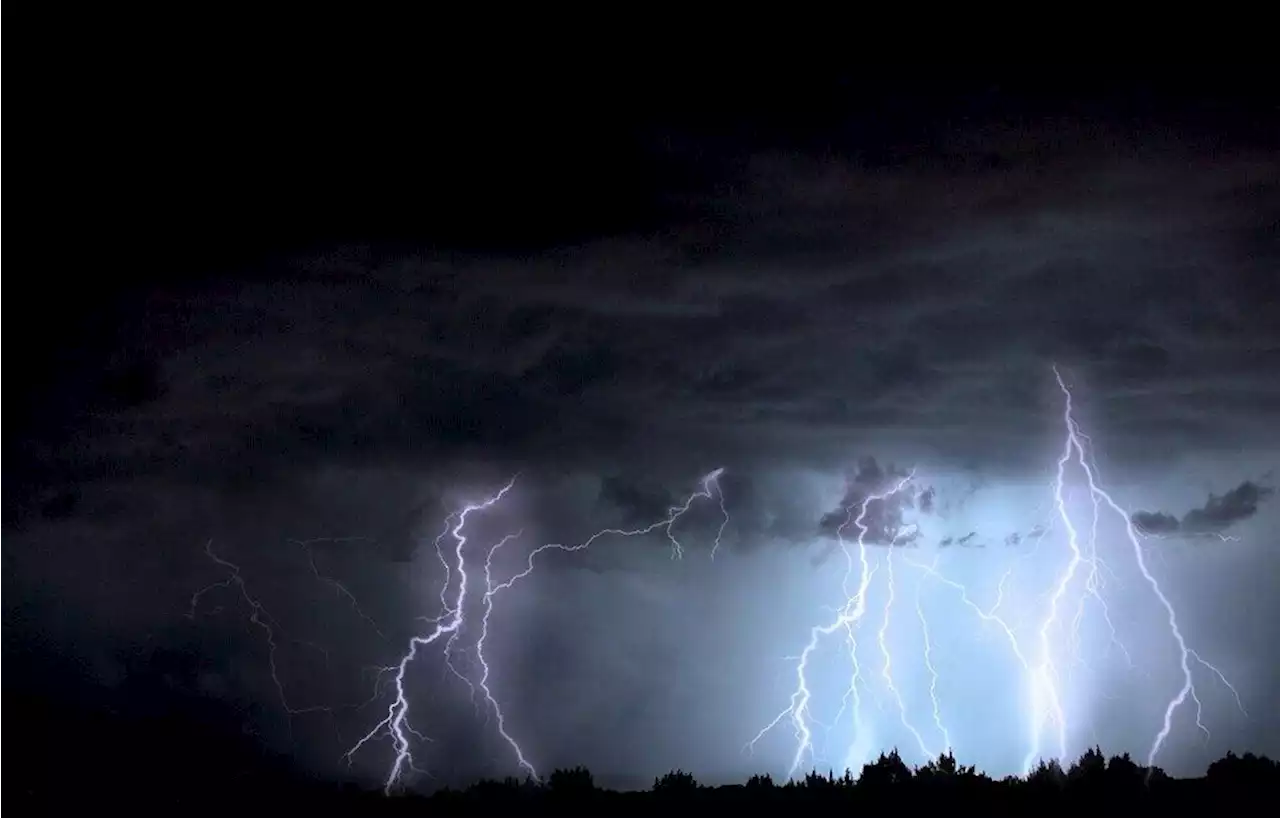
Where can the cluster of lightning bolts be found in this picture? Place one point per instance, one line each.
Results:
(445, 629)
(450, 624)
(1080, 581)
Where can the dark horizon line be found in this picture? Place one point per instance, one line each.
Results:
(580, 779)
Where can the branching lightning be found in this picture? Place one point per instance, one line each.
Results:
(452, 623)
(262, 619)
(1042, 656)
(847, 618)
(338, 587)
(883, 640)
(396, 722)
(933, 672)
(1045, 647)
(1185, 654)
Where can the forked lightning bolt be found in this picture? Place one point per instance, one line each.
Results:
(1042, 657)
(396, 723)
(1186, 655)
(450, 625)
(710, 488)
(882, 638)
(1049, 647)
(261, 618)
(933, 673)
(847, 618)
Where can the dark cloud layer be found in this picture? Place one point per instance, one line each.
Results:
(881, 291)
(1217, 514)
(1155, 522)
(883, 519)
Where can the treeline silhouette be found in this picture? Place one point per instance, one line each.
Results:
(208, 784)
(1093, 782)
(154, 747)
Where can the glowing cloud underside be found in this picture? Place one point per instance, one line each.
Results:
(1040, 660)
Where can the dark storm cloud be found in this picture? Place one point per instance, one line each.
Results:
(640, 505)
(1217, 514)
(820, 307)
(759, 513)
(883, 520)
(1155, 522)
(833, 304)
(1220, 513)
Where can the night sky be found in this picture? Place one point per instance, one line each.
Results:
(294, 318)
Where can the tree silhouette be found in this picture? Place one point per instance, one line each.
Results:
(575, 781)
(1090, 768)
(675, 782)
(1245, 773)
(1124, 775)
(1047, 775)
(886, 771)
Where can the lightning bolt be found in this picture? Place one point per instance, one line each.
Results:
(396, 723)
(887, 657)
(1046, 702)
(847, 618)
(933, 672)
(450, 625)
(262, 619)
(499, 716)
(1050, 647)
(1186, 656)
(709, 489)
(1079, 584)
(340, 589)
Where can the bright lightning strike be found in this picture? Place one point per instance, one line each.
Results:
(396, 723)
(710, 488)
(933, 673)
(1185, 654)
(847, 618)
(1054, 645)
(451, 624)
(887, 666)
(1080, 582)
